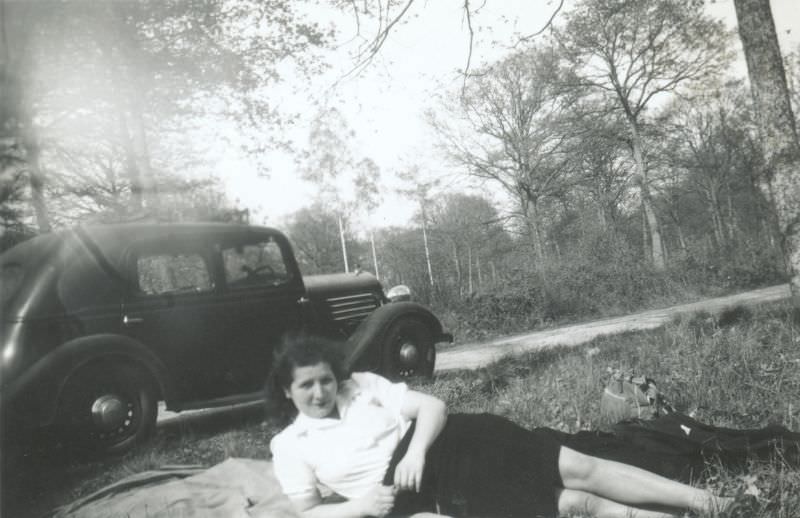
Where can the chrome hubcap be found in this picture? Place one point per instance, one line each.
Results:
(409, 355)
(111, 413)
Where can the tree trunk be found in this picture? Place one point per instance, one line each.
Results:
(601, 214)
(675, 216)
(535, 232)
(36, 177)
(732, 223)
(645, 246)
(142, 154)
(716, 218)
(656, 248)
(780, 179)
(681, 239)
(119, 83)
(608, 217)
(135, 204)
(457, 265)
(469, 268)
(126, 70)
(374, 255)
(19, 143)
(427, 250)
(344, 245)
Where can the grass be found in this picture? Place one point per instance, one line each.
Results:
(739, 369)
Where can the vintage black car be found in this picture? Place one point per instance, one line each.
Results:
(100, 323)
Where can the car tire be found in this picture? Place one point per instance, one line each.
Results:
(408, 350)
(107, 409)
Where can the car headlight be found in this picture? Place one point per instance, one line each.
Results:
(398, 293)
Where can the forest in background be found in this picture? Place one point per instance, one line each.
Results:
(628, 153)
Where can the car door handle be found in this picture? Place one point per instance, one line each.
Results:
(303, 300)
(132, 321)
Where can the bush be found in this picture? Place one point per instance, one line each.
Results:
(602, 274)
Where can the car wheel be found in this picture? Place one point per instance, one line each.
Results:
(107, 409)
(408, 350)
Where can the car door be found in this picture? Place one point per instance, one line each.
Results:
(261, 302)
(172, 308)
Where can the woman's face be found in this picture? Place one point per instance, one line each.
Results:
(313, 390)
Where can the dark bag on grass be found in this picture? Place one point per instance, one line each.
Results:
(632, 397)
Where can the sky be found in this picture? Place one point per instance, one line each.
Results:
(385, 105)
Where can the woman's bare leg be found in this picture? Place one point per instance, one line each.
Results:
(571, 501)
(631, 485)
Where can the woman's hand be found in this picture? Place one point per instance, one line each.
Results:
(431, 415)
(378, 502)
(408, 473)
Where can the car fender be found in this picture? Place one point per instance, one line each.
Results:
(361, 350)
(41, 385)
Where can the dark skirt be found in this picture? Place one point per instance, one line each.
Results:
(483, 465)
(486, 466)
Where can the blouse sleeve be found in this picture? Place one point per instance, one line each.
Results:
(295, 475)
(389, 394)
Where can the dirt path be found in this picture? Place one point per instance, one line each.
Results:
(471, 356)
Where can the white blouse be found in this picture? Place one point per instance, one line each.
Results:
(347, 455)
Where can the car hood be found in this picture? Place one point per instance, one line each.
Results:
(333, 284)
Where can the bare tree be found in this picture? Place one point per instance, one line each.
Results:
(506, 131)
(20, 148)
(161, 71)
(604, 167)
(328, 159)
(472, 230)
(387, 15)
(709, 140)
(420, 191)
(345, 183)
(636, 51)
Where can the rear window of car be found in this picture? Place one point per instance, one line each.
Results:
(162, 273)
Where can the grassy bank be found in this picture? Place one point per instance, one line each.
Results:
(739, 370)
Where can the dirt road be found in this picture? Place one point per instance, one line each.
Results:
(470, 356)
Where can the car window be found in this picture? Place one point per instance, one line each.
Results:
(173, 273)
(254, 264)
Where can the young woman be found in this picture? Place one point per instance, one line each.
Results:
(363, 446)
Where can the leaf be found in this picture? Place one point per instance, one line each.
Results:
(749, 482)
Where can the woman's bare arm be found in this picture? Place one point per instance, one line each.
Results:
(431, 415)
(378, 502)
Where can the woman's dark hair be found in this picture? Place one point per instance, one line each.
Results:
(299, 350)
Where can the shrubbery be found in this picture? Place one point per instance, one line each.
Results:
(601, 277)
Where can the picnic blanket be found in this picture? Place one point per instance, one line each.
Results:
(234, 488)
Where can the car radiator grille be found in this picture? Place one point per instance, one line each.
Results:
(354, 307)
